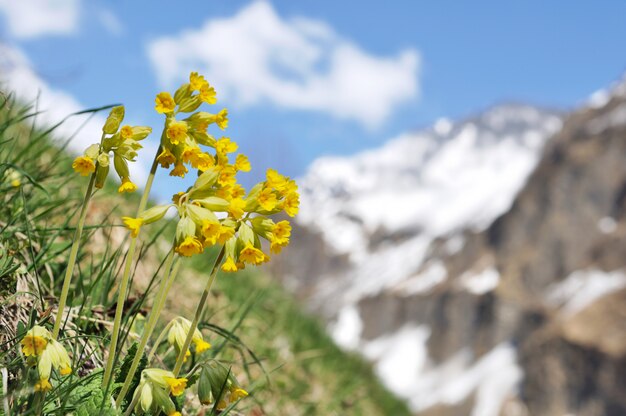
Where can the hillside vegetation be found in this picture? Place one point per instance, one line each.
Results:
(282, 356)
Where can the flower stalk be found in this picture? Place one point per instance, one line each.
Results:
(171, 268)
(194, 324)
(121, 296)
(73, 255)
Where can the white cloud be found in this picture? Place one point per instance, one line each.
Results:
(33, 18)
(18, 76)
(298, 63)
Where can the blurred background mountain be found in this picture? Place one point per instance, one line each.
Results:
(479, 264)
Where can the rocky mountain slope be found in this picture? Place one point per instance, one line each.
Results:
(480, 264)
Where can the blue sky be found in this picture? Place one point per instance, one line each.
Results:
(407, 62)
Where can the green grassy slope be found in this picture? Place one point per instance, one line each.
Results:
(282, 355)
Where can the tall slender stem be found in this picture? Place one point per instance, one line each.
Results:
(198, 314)
(155, 346)
(159, 302)
(73, 254)
(121, 296)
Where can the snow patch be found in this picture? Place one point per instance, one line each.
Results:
(607, 225)
(402, 363)
(400, 357)
(454, 244)
(424, 282)
(482, 282)
(614, 118)
(582, 288)
(347, 330)
(599, 98)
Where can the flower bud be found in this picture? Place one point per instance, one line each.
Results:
(189, 104)
(155, 213)
(121, 166)
(101, 176)
(213, 203)
(246, 234)
(205, 392)
(185, 228)
(199, 214)
(141, 132)
(206, 180)
(114, 120)
(184, 91)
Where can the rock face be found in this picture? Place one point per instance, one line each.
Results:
(480, 265)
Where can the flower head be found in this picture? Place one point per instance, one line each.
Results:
(127, 186)
(84, 165)
(164, 103)
(133, 224)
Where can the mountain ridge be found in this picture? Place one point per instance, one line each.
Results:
(459, 317)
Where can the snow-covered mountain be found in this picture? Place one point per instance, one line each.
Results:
(480, 264)
(383, 208)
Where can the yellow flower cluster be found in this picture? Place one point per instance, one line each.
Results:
(217, 209)
(181, 139)
(179, 328)
(46, 353)
(154, 390)
(122, 143)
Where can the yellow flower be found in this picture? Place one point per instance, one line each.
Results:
(252, 255)
(207, 94)
(221, 119)
(202, 162)
(35, 341)
(227, 176)
(189, 247)
(164, 103)
(126, 132)
(237, 191)
(43, 385)
(133, 224)
(166, 158)
(179, 170)
(267, 199)
(177, 132)
(291, 204)
(225, 234)
(236, 207)
(84, 165)
(127, 186)
(177, 334)
(237, 393)
(276, 180)
(211, 230)
(225, 145)
(196, 82)
(229, 265)
(177, 385)
(201, 345)
(281, 230)
(242, 163)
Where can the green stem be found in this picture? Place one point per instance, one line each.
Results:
(121, 296)
(159, 339)
(132, 405)
(198, 314)
(159, 302)
(73, 254)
